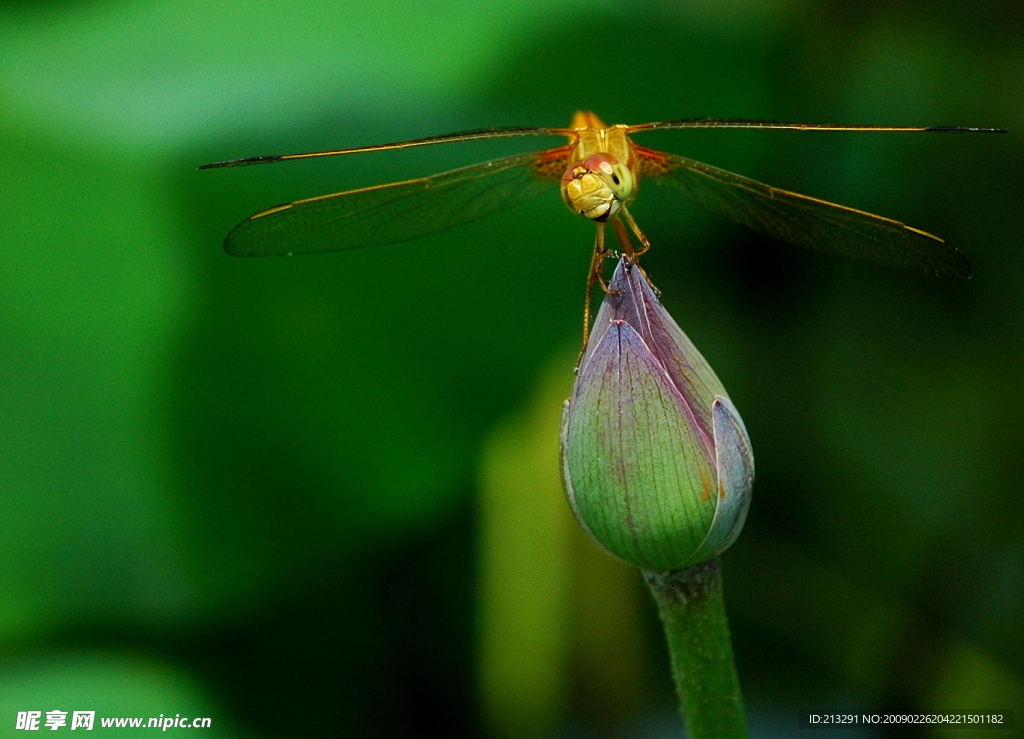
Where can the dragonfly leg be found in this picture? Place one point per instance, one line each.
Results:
(596, 266)
(627, 244)
(631, 253)
(636, 230)
(601, 252)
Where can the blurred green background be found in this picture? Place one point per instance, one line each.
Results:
(318, 496)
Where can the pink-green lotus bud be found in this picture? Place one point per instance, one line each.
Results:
(656, 461)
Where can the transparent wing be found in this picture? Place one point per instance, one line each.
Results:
(399, 211)
(802, 220)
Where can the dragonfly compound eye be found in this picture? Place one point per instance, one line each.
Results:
(615, 174)
(596, 187)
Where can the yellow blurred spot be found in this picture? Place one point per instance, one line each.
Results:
(560, 621)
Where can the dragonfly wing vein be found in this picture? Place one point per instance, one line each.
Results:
(390, 213)
(804, 221)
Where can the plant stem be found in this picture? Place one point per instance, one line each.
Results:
(692, 610)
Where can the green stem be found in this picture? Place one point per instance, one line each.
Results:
(692, 610)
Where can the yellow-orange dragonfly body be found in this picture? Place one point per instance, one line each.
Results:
(598, 172)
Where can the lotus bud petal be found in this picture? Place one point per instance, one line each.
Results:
(656, 461)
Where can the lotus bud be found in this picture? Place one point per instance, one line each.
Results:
(656, 461)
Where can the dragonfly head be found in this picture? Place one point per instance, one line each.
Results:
(597, 186)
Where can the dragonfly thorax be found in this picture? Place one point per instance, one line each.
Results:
(596, 187)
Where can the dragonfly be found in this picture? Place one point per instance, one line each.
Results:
(598, 173)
